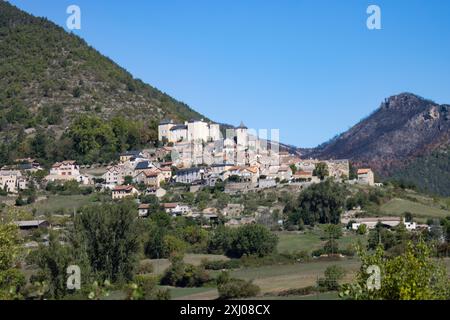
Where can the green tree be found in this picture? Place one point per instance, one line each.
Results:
(53, 261)
(332, 231)
(107, 236)
(321, 170)
(155, 246)
(253, 239)
(333, 274)
(230, 288)
(413, 275)
(320, 203)
(220, 240)
(93, 139)
(11, 279)
(180, 274)
(381, 236)
(362, 229)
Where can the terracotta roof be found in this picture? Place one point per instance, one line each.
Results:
(252, 169)
(151, 173)
(170, 205)
(67, 162)
(144, 206)
(123, 188)
(114, 168)
(303, 173)
(364, 171)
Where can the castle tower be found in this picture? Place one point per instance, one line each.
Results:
(242, 135)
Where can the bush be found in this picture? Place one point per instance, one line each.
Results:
(221, 264)
(297, 292)
(237, 288)
(252, 239)
(145, 267)
(362, 229)
(220, 240)
(145, 288)
(333, 274)
(275, 259)
(180, 274)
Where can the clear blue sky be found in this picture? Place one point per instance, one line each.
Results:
(308, 67)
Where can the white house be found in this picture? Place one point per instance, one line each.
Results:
(248, 174)
(366, 176)
(64, 171)
(65, 168)
(173, 209)
(144, 210)
(116, 174)
(188, 176)
(133, 154)
(12, 181)
(151, 178)
(387, 221)
(121, 192)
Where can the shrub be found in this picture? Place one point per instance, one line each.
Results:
(362, 229)
(180, 274)
(145, 288)
(333, 274)
(221, 264)
(275, 259)
(297, 292)
(237, 288)
(145, 267)
(252, 239)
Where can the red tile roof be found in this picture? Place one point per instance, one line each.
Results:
(170, 205)
(303, 173)
(123, 188)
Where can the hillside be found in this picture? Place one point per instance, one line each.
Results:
(396, 140)
(48, 76)
(431, 172)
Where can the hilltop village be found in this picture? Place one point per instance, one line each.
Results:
(194, 154)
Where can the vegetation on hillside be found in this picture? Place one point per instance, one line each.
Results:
(430, 173)
(49, 77)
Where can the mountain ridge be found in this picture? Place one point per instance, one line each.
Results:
(404, 128)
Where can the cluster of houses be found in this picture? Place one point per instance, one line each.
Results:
(14, 178)
(194, 153)
(199, 148)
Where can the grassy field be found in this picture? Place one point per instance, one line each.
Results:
(311, 240)
(295, 241)
(283, 277)
(203, 293)
(160, 265)
(56, 203)
(317, 296)
(96, 172)
(398, 207)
